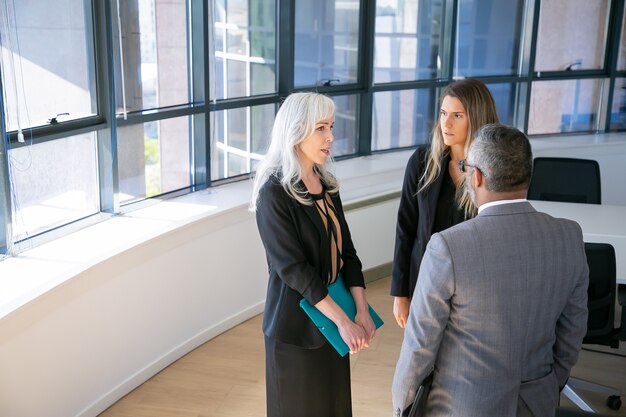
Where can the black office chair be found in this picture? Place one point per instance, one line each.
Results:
(568, 412)
(601, 329)
(569, 180)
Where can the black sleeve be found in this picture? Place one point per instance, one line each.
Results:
(406, 227)
(283, 248)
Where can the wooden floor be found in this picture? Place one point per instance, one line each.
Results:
(225, 376)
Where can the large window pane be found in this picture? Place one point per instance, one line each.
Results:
(243, 48)
(327, 42)
(564, 106)
(406, 117)
(154, 54)
(238, 128)
(488, 37)
(346, 126)
(402, 118)
(618, 112)
(153, 158)
(621, 59)
(262, 119)
(52, 186)
(572, 34)
(505, 97)
(5, 206)
(47, 61)
(239, 138)
(408, 38)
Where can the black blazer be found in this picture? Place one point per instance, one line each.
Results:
(416, 218)
(298, 257)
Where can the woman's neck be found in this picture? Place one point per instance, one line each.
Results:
(312, 181)
(457, 152)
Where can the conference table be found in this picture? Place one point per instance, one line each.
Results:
(600, 224)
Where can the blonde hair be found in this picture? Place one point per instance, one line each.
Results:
(295, 121)
(481, 110)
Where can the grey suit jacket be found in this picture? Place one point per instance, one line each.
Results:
(499, 312)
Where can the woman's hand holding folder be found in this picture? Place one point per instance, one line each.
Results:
(363, 317)
(336, 317)
(352, 334)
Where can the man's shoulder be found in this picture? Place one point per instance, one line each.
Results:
(459, 234)
(564, 224)
(510, 216)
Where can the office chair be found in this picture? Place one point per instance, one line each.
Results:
(569, 180)
(568, 412)
(601, 328)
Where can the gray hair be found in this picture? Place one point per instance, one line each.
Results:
(294, 122)
(504, 156)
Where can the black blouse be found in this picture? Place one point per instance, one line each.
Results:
(448, 212)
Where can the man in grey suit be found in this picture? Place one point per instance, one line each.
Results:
(500, 307)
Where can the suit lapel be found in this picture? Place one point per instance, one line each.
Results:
(315, 217)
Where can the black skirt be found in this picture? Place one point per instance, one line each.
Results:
(306, 382)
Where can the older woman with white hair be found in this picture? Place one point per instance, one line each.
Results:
(308, 246)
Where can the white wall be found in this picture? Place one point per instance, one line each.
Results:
(83, 345)
(373, 232)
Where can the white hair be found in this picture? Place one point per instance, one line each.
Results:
(294, 122)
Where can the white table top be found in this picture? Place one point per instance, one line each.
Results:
(600, 223)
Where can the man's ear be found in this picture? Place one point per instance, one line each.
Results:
(478, 177)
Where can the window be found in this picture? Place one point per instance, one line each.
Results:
(5, 209)
(403, 118)
(621, 62)
(572, 35)
(153, 72)
(243, 48)
(239, 138)
(346, 126)
(153, 158)
(407, 117)
(326, 42)
(506, 98)
(564, 106)
(38, 42)
(408, 40)
(243, 64)
(488, 37)
(51, 186)
(154, 55)
(618, 111)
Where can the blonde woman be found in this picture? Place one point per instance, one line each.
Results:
(433, 197)
(308, 245)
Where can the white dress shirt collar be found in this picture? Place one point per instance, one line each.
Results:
(499, 202)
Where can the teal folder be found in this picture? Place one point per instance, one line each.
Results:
(342, 296)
